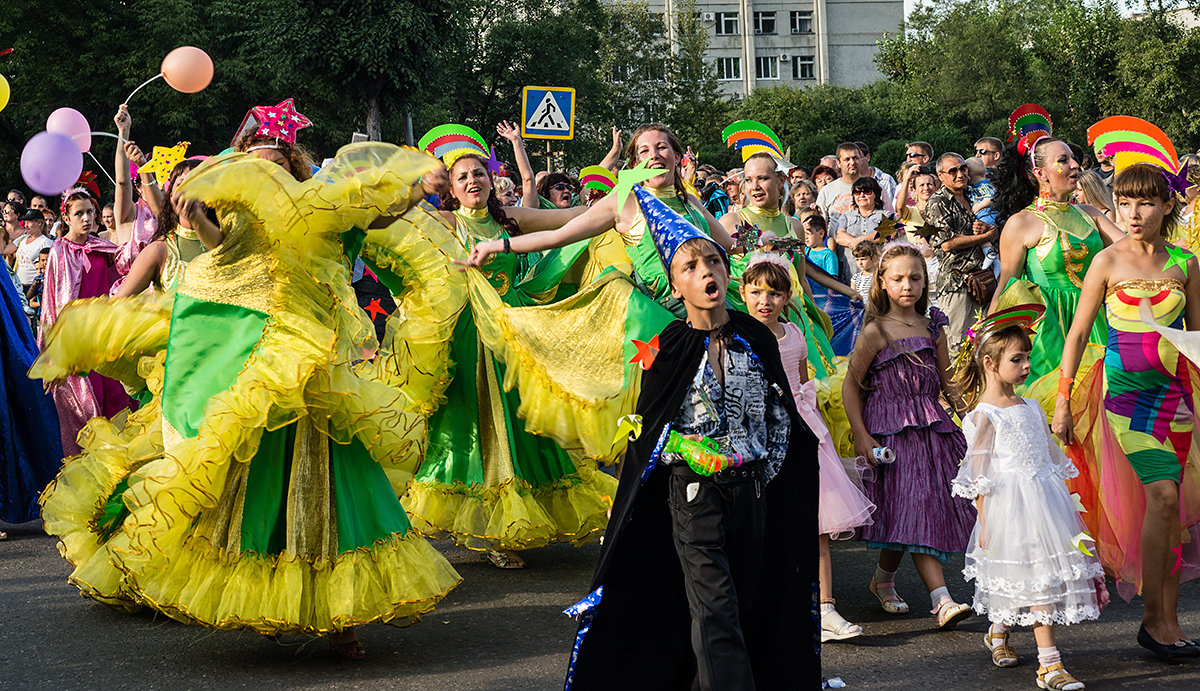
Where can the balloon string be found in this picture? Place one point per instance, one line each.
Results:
(103, 134)
(141, 85)
(102, 170)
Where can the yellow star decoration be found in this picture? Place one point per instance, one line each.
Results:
(628, 427)
(164, 160)
(1079, 541)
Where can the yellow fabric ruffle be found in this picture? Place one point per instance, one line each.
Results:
(514, 515)
(75, 499)
(566, 359)
(395, 581)
(605, 250)
(301, 367)
(833, 408)
(119, 333)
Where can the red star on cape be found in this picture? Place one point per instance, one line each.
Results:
(646, 352)
(374, 309)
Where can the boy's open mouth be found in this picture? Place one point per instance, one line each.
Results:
(711, 289)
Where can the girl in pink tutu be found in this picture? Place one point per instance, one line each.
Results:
(766, 289)
(897, 375)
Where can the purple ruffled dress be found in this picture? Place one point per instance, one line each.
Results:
(916, 512)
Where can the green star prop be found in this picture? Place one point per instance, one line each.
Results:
(626, 179)
(1179, 257)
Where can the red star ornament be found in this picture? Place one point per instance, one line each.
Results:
(646, 352)
(374, 309)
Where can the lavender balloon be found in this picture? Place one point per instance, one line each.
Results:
(51, 162)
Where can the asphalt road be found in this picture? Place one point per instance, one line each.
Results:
(504, 630)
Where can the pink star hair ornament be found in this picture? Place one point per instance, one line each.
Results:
(280, 122)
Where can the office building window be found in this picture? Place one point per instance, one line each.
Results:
(727, 23)
(729, 69)
(766, 67)
(802, 22)
(804, 67)
(764, 22)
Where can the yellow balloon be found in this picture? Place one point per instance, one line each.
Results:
(4, 91)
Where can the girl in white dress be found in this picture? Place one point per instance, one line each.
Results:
(1029, 553)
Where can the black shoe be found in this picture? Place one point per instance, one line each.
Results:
(1176, 650)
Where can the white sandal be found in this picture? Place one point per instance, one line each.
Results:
(835, 628)
(949, 613)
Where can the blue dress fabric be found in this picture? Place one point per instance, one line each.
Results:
(30, 448)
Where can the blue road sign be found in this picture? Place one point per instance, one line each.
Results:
(548, 112)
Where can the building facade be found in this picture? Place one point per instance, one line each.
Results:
(757, 43)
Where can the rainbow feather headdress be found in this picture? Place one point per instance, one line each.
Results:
(1131, 140)
(597, 178)
(751, 138)
(450, 142)
(1028, 124)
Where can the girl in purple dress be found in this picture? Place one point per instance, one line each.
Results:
(897, 374)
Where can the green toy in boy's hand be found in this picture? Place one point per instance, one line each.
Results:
(701, 455)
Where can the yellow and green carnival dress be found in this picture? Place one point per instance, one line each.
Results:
(813, 322)
(522, 398)
(1054, 271)
(255, 491)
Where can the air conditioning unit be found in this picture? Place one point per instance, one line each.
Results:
(757, 31)
(784, 57)
(795, 31)
(709, 17)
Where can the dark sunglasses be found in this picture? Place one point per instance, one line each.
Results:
(912, 155)
(954, 171)
(562, 187)
(981, 152)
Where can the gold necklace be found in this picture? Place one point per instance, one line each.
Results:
(910, 325)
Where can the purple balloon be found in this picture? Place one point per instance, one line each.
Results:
(51, 162)
(71, 122)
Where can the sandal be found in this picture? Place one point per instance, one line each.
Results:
(949, 613)
(835, 628)
(3, 535)
(1056, 678)
(888, 599)
(505, 560)
(1003, 654)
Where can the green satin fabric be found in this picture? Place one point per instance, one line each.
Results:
(208, 345)
(364, 505)
(455, 452)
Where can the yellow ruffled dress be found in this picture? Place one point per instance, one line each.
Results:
(523, 399)
(255, 490)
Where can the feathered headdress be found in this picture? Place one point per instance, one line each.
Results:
(1026, 315)
(751, 138)
(1132, 140)
(450, 142)
(1028, 124)
(597, 178)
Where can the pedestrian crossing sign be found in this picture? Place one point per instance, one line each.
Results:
(548, 112)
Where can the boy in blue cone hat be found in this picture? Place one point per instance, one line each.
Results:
(707, 580)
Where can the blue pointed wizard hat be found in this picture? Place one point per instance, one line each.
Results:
(668, 229)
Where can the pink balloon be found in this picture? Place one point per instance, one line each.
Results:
(187, 69)
(51, 162)
(71, 122)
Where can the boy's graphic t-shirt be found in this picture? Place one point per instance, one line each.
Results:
(746, 416)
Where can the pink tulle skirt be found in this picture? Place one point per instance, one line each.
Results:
(843, 506)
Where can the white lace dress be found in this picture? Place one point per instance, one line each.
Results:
(1022, 553)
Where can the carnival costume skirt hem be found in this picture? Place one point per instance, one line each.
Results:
(513, 515)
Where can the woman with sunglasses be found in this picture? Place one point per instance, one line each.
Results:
(557, 191)
(1048, 243)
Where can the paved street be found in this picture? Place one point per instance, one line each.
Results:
(503, 630)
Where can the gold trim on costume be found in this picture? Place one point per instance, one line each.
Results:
(1147, 284)
(237, 272)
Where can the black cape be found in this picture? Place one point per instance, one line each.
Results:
(638, 635)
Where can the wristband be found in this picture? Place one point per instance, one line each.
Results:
(507, 246)
(1064, 385)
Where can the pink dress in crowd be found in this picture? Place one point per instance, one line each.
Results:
(842, 505)
(144, 225)
(78, 271)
